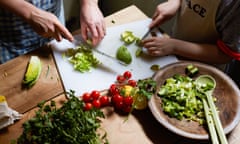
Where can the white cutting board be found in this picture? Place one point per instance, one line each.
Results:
(103, 76)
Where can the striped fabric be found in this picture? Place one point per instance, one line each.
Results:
(16, 36)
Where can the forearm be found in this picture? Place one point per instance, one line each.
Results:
(209, 53)
(19, 7)
(84, 2)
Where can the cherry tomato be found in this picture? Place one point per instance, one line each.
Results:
(120, 79)
(127, 75)
(86, 97)
(127, 109)
(117, 99)
(104, 100)
(95, 94)
(88, 106)
(132, 82)
(113, 89)
(128, 101)
(96, 103)
(118, 105)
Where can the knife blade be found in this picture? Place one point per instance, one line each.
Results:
(87, 45)
(109, 56)
(146, 34)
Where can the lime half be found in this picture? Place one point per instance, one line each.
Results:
(140, 101)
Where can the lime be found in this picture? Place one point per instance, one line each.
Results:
(140, 101)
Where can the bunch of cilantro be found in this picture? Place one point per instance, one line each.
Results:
(69, 124)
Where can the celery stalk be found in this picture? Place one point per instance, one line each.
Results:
(216, 119)
(210, 122)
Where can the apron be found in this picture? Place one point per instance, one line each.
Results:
(195, 21)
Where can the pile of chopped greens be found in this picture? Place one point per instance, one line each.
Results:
(180, 99)
(82, 58)
(69, 124)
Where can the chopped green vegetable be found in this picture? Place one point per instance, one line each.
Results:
(191, 70)
(138, 52)
(69, 124)
(155, 67)
(180, 99)
(124, 55)
(82, 58)
(127, 37)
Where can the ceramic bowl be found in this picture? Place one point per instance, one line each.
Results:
(226, 92)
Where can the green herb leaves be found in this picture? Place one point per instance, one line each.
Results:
(69, 124)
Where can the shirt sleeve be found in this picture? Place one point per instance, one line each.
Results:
(228, 23)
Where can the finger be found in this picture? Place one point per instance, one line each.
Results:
(61, 30)
(84, 32)
(58, 36)
(155, 15)
(95, 35)
(156, 21)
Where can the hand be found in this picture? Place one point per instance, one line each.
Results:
(47, 25)
(92, 23)
(158, 46)
(164, 12)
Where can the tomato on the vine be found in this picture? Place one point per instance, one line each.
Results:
(120, 79)
(86, 97)
(104, 100)
(96, 103)
(132, 82)
(127, 75)
(128, 101)
(95, 94)
(113, 89)
(88, 106)
(127, 109)
(117, 98)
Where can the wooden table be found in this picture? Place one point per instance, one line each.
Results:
(140, 128)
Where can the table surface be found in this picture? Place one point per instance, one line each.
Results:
(141, 126)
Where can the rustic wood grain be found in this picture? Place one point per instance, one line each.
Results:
(11, 75)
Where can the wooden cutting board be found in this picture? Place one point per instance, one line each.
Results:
(104, 75)
(11, 75)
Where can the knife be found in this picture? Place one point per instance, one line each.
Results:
(146, 34)
(156, 31)
(89, 46)
(109, 56)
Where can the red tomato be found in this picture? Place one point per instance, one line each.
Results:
(86, 97)
(104, 100)
(127, 109)
(95, 94)
(120, 79)
(117, 99)
(88, 106)
(128, 101)
(113, 89)
(96, 103)
(127, 75)
(132, 82)
(119, 105)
